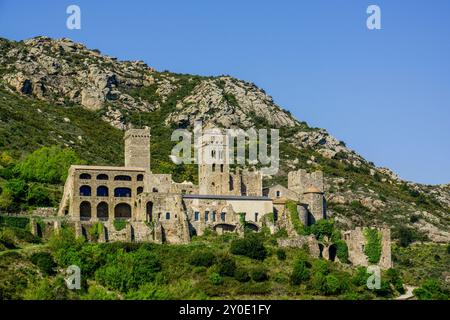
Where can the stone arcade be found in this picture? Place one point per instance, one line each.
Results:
(157, 209)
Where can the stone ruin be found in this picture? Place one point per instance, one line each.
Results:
(131, 203)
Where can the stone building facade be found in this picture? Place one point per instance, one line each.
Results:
(131, 203)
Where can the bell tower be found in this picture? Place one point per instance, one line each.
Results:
(137, 148)
(213, 165)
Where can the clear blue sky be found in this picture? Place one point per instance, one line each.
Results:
(386, 93)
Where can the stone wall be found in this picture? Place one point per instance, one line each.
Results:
(356, 242)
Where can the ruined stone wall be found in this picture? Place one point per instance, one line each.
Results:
(309, 242)
(315, 202)
(184, 188)
(166, 212)
(161, 183)
(356, 242)
(252, 182)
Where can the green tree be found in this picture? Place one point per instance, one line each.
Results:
(322, 228)
(44, 261)
(48, 164)
(250, 246)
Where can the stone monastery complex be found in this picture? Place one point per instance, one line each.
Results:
(157, 209)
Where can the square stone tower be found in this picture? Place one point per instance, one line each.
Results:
(213, 163)
(310, 189)
(137, 148)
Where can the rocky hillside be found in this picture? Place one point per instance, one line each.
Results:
(71, 89)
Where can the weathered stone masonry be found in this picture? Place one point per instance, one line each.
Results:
(154, 208)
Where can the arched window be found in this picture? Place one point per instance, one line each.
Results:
(154, 190)
(85, 176)
(102, 177)
(221, 168)
(85, 210)
(214, 216)
(122, 192)
(122, 178)
(139, 190)
(214, 167)
(102, 211)
(278, 193)
(140, 177)
(167, 215)
(206, 215)
(102, 191)
(213, 154)
(196, 215)
(223, 216)
(122, 210)
(256, 216)
(85, 191)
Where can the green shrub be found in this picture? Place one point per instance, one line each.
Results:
(300, 273)
(202, 258)
(96, 230)
(342, 251)
(322, 228)
(120, 224)
(282, 233)
(385, 289)
(49, 289)
(332, 285)
(406, 235)
(394, 278)
(259, 274)
(226, 265)
(320, 266)
(215, 278)
(16, 222)
(372, 248)
(96, 292)
(360, 277)
(7, 238)
(250, 246)
(431, 289)
(281, 254)
(318, 282)
(241, 275)
(44, 261)
(126, 271)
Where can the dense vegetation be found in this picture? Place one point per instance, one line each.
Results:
(211, 267)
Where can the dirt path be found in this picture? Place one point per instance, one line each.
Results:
(408, 294)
